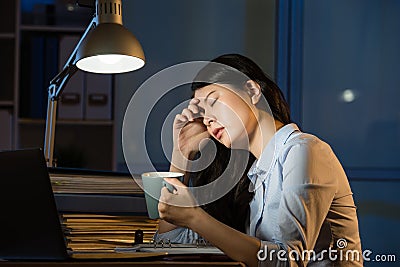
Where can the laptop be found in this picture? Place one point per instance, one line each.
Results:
(30, 228)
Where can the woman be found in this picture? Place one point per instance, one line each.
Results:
(302, 211)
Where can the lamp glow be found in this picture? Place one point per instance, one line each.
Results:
(110, 64)
(109, 59)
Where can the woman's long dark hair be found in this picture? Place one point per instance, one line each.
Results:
(233, 208)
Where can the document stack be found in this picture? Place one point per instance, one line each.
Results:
(103, 233)
(100, 211)
(87, 183)
(97, 192)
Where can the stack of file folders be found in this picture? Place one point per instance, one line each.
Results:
(94, 184)
(103, 233)
(99, 192)
(100, 211)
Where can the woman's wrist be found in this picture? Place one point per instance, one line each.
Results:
(196, 219)
(164, 226)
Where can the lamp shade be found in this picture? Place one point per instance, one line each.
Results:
(110, 48)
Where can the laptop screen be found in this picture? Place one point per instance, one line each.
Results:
(29, 222)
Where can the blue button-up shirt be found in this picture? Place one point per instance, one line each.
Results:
(302, 202)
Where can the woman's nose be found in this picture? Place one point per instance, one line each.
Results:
(208, 120)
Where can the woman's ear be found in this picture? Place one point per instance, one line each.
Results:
(254, 91)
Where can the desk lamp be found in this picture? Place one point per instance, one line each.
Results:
(105, 47)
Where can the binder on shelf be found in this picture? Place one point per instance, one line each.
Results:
(50, 70)
(37, 88)
(71, 100)
(51, 59)
(98, 97)
(5, 129)
(7, 69)
(40, 66)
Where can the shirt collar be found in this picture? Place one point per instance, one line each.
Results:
(271, 150)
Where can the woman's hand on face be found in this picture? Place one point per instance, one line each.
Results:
(188, 129)
(178, 207)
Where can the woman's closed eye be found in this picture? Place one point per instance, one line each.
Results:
(213, 101)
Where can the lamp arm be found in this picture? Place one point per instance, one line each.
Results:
(69, 69)
(59, 82)
(55, 89)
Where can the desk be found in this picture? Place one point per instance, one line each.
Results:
(127, 259)
(119, 264)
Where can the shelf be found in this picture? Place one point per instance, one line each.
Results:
(53, 29)
(67, 122)
(7, 35)
(91, 203)
(6, 104)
